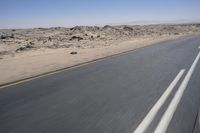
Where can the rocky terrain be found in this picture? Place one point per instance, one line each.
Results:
(13, 41)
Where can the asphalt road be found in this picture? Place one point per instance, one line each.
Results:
(114, 95)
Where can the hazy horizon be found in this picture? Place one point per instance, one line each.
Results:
(147, 22)
(67, 13)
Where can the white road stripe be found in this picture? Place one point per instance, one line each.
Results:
(152, 113)
(166, 118)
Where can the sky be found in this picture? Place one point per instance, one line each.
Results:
(65, 13)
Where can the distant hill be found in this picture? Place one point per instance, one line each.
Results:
(148, 22)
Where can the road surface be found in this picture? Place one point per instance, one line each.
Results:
(152, 89)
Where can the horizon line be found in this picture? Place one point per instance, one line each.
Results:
(131, 23)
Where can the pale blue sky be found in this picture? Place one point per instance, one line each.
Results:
(47, 13)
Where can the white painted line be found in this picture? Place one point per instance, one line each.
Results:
(199, 47)
(166, 118)
(152, 113)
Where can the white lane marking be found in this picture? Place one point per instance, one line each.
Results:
(166, 118)
(199, 47)
(152, 113)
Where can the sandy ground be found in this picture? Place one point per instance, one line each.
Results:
(31, 63)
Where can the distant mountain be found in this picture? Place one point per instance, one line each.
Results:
(148, 22)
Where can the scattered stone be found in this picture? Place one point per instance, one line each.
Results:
(176, 33)
(29, 46)
(96, 28)
(31, 43)
(76, 38)
(69, 33)
(20, 49)
(76, 28)
(7, 36)
(4, 52)
(73, 53)
(12, 36)
(45, 41)
(106, 27)
(42, 29)
(197, 25)
(3, 37)
(127, 28)
(26, 47)
(56, 28)
(85, 28)
(50, 39)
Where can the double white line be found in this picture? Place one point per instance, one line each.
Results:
(166, 118)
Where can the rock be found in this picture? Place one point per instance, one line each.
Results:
(176, 33)
(50, 39)
(42, 29)
(29, 46)
(107, 27)
(76, 38)
(3, 37)
(85, 28)
(197, 25)
(128, 28)
(7, 36)
(76, 28)
(26, 47)
(73, 53)
(31, 43)
(96, 28)
(12, 36)
(21, 49)
(4, 52)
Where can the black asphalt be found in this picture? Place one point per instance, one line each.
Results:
(108, 96)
